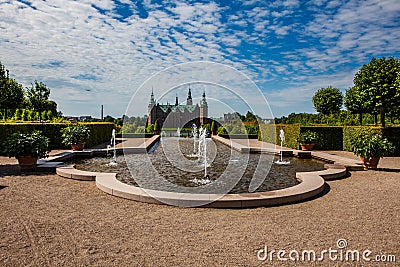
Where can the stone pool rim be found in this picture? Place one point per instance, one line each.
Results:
(311, 185)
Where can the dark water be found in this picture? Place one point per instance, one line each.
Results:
(169, 168)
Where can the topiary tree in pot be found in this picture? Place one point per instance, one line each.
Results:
(27, 148)
(76, 136)
(370, 148)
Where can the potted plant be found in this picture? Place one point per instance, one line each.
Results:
(75, 136)
(370, 148)
(307, 140)
(27, 148)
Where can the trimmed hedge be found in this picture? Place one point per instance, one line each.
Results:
(134, 135)
(329, 137)
(100, 132)
(239, 136)
(350, 132)
(270, 133)
(393, 135)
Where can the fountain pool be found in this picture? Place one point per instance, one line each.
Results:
(188, 175)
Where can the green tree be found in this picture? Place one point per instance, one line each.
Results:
(38, 95)
(377, 79)
(109, 118)
(355, 101)
(17, 114)
(250, 117)
(157, 127)
(11, 92)
(214, 127)
(150, 129)
(328, 100)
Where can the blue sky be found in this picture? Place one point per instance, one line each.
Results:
(100, 52)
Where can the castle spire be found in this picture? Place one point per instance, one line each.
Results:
(152, 100)
(203, 109)
(189, 100)
(203, 101)
(176, 100)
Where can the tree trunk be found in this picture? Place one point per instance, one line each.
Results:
(360, 118)
(375, 119)
(383, 117)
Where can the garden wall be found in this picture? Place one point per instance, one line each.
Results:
(100, 132)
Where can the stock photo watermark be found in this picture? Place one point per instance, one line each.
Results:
(341, 252)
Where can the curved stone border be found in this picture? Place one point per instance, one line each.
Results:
(312, 184)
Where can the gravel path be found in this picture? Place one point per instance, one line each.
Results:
(46, 220)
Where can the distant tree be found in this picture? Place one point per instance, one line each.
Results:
(222, 130)
(150, 128)
(38, 95)
(214, 127)
(355, 101)
(109, 118)
(157, 127)
(51, 106)
(18, 114)
(250, 117)
(49, 115)
(377, 79)
(11, 92)
(328, 100)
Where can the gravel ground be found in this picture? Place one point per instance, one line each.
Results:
(46, 220)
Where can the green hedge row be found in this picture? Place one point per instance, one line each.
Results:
(350, 132)
(270, 133)
(329, 137)
(239, 136)
(100, 132)
(393, 135)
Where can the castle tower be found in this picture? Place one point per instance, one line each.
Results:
(176, 100)
(189, 100)
(150, 107)
(203, 109)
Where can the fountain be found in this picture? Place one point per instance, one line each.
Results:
(201, 154)
(196, 141)
(178, 132)
(113, 161)
(281, 161)
(195, 138)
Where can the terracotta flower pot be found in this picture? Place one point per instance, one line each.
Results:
(307, 147)
(78, 147)
(370, 163)
(27, 163)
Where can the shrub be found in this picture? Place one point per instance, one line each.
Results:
(369, 146)
(27, 144)
(307, 137)
(351, 133)
(100, 132)
(75, 134)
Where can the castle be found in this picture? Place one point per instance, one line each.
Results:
(177, 115)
